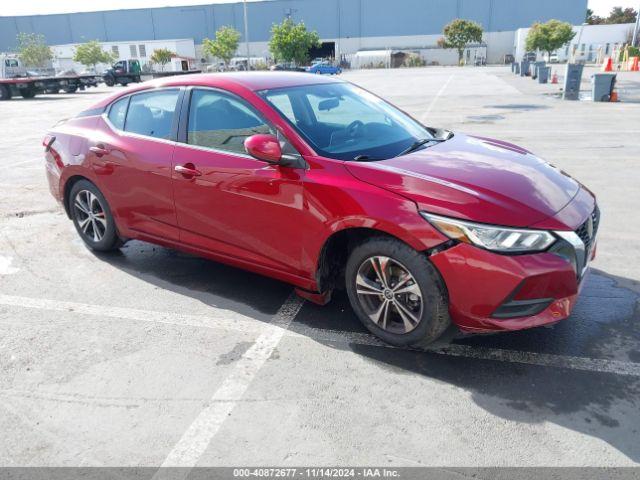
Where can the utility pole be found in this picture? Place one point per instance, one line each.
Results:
(246, 31)
(636, 30)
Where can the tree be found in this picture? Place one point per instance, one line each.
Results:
(162, 56)
(225, 44)
(290, 41)
(33, 50)
(593, 19)
(91, 53)
(550, 36)
(459, 33)
(620, 15)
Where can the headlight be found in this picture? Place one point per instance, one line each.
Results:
(491, 237)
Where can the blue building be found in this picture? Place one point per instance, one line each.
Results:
(345, 26)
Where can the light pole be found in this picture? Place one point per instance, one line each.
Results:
(246, 31)
(636, 30)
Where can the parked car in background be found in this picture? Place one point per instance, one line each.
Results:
(553, 58)
(318, 183)
(286, 67)
(325, 68)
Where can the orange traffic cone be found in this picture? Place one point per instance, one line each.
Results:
(607, 65)
(554, 78)
(614, 96)
(633, 61)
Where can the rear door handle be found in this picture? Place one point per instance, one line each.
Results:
(188, 170)
(99, 150)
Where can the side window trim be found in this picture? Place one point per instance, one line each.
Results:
(177, 113)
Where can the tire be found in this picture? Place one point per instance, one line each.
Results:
(430, 315)
(109, 81)
(5, 92)
(28, 92)
(71, 89)
(52, 91)
(97, 231)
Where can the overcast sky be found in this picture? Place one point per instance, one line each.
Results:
(31, 7)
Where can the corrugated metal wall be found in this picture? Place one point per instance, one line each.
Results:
(331, 18)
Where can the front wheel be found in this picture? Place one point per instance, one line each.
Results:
(92, 217)
(397, 293)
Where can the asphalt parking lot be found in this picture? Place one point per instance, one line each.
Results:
(151, 357)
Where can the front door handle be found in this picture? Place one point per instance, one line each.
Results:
(188, 170)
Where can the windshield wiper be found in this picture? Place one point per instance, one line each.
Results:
(418, 143)
(361, 158)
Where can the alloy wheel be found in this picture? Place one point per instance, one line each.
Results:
(90, 215)
(389, 294)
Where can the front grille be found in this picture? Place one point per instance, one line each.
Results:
(586, 233)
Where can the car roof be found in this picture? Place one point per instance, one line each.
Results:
(260, 80)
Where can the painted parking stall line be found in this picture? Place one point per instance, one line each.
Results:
(228, 320)
(426, 113)
(200, 433)
(216, 318)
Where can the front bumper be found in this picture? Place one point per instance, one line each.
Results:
(489, 292)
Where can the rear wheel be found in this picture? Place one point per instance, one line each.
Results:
(396, 292)
(92, 217)
(5, 92)
(28, 92)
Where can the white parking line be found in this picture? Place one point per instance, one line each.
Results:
(198, 436)
(426, 113)
(229, 320)
(5, 266)
(216, 318)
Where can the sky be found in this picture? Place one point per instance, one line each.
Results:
(34, 7)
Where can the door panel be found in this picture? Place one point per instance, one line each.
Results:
(240, 207)
(236, 205)
(134, 169)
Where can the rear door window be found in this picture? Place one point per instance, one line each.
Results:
(151, 114)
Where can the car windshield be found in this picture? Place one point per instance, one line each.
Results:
(344, 122)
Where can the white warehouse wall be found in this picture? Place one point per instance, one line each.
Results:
(63, 54)
(592, 37)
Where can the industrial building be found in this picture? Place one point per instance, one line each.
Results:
(345, 26)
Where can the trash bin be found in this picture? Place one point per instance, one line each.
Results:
(534, 69)
(543, 74)
(513, 67)
(572, 79)
(517, 68)
(524, 68)
(602, 86)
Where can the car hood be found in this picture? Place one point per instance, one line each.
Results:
(475, 178)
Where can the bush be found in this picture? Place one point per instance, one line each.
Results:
(413, 60)
(260, 66)
(633, 52)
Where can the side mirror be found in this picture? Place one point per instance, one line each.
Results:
(263, 147)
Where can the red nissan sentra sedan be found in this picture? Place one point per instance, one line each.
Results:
(321, 184)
